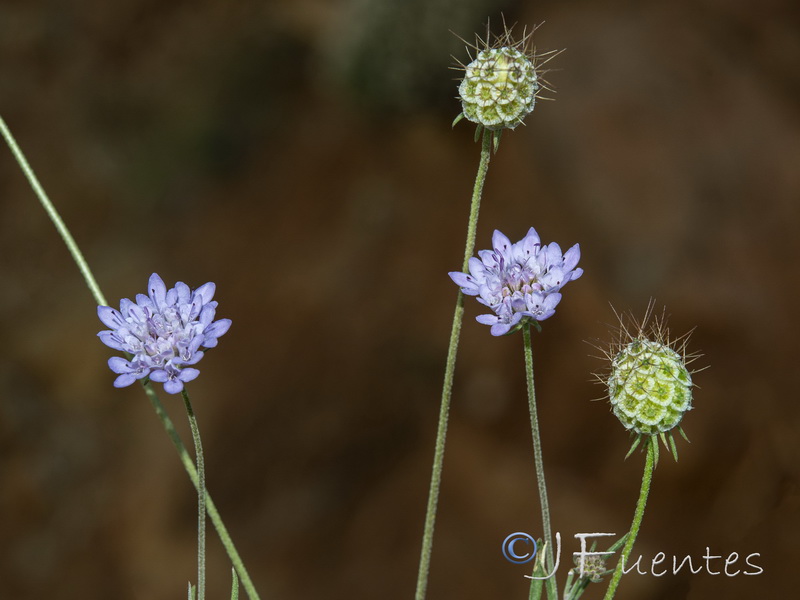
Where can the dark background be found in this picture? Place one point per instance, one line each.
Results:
(299, 154)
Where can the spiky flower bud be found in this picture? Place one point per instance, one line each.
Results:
(649, 384)
(501, 84)
(499, 88)
(650, 387)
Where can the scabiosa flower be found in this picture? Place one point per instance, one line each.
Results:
(649, 384)
(501, 84)
(518, 281)
(164, 332)
(650, 387)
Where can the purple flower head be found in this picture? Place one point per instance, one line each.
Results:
(163, 331)
(518, 281)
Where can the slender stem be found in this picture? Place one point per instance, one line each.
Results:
(477, 191)
(447, 389)
(550, 584)
(201, 498)
(647, 478)
(77, 256)
(211, 508)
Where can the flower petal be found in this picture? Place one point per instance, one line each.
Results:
(217, 329)
(571, 257)
(487, 319)
(112, 340)
(119, 365)
(184, 293)
(159, 375)
(157, 290)
(124, 380)
(501, 243)
(187, 375)
(206, 291)
(173, 386)
(499, 329)
(466, 282)
(110, 317)
(529, 246)
(476, 268)
(553, 253)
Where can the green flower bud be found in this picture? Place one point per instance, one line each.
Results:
(499, 88)
(649, 387)
(649, 384)
(594, 568)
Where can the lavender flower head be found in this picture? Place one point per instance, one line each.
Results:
(518, 281)
(163, 331)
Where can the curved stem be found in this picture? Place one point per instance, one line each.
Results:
(550, 584)
(647, 477)
(201, 498)
(447, 389)
(77, 256)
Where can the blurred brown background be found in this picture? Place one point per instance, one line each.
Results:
(299, 154)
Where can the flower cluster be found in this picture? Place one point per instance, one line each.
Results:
(649, 386)
(518, 281)
(164, 332)
(499, 88)
(591, 567)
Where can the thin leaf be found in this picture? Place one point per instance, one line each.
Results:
(234, 585)
(636, 442)
(618, 544)
(654, 442)
(673, 447)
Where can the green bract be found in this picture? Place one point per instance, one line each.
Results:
(649, 387)
(499, 88)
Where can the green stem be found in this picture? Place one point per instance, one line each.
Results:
(447, 389)
(201, 498)
(211, 508)
(550, 583)
(88, 277)
(77, 256)
(647, 478)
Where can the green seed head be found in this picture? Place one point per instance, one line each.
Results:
(499, 88)
(649, 387)
(501, 85)
(594, 567)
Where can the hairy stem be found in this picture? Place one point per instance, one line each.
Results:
(647, 478)
(550, 583)
(447, 389)
(201, 498)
